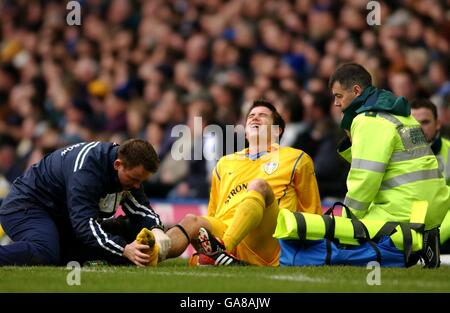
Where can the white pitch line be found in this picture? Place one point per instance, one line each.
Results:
(445, 259)
(300, 278)
(196, 274)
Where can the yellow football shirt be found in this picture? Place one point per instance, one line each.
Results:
(289, 171)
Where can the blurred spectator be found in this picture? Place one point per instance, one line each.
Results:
(290, 108)
(227, 109)
(205, 147)
(444, 116)
(403, 83)
(115, 113)
(126, 69)
(331, 170)
(439, 79)
(10, 169)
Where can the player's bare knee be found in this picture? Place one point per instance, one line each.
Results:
(191, 220)
(261, 186)
(192, 223)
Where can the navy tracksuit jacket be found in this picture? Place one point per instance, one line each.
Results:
(77, 184)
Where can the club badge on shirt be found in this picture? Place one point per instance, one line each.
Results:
(270, 167)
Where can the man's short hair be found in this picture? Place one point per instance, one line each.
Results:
(277, 119)
(420, 103)
(135, 152)
(350, 74)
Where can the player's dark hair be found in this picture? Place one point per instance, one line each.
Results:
(277, 119)
(350, 74)
(420, 103)
(135, 152)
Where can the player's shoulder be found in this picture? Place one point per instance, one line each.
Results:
(290, 150)
(296, 156)
(232, 157)
(380, 118)
(293, 152)
(231, 160)
(94, 154)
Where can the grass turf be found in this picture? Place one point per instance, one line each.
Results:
(175, 276)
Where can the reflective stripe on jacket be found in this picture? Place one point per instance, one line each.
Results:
(392, 167)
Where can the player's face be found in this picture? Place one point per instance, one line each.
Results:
(429, 124)
(343, 97)
(131, 177)
(259, 123)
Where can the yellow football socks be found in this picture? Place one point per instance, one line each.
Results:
(248, 216)
(146, 237)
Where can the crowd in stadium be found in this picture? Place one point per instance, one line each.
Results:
(135, 69)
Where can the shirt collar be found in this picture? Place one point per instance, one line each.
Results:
(253, 157)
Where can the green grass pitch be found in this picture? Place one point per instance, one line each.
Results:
(175, 276)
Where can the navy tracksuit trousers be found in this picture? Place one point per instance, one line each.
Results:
(35, 236)
(41, 239)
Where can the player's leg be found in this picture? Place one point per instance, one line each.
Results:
(250, 213)
(259, 247)
(185, 232)
(211, 249)
(181, 235)
(35, 236)
(123, 226)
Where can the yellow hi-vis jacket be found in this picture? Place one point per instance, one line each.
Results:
(443, 158)
(442, 155)
(392, 168)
